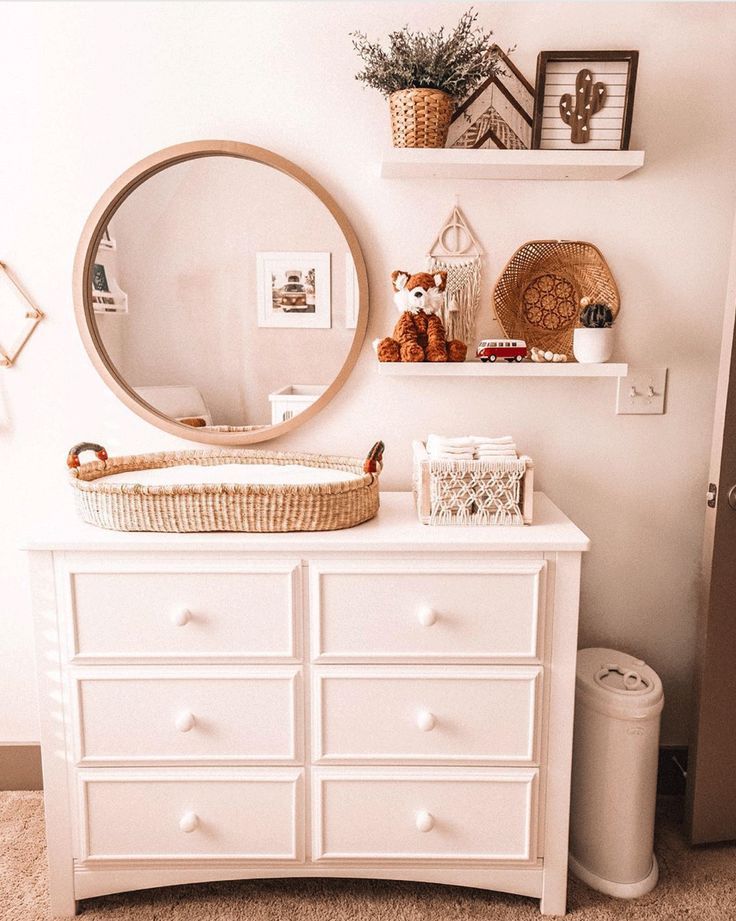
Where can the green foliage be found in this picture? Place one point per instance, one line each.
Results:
(454, 63)
(596, 316)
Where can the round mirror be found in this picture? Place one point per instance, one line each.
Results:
(221, 292)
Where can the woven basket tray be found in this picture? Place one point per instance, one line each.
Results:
(223, 506)
(537, 296)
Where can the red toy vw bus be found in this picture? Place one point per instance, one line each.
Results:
(509, 349)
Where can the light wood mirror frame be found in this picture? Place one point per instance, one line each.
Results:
(87, 250)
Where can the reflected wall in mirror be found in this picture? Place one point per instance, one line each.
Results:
(219, 286)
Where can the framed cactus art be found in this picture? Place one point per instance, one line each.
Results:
(584, 100)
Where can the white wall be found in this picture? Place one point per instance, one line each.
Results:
(91, 88)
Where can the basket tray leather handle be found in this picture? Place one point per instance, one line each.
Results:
(374, 461)
(72, 459)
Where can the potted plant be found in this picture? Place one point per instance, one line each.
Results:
(424, 74)
(593, 341)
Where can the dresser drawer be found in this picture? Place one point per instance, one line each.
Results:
(174, 715)
(160, 815)
(197, 616)
(435, 713)
(397, 814)
(416, 610)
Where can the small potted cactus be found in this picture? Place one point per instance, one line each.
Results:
(592, 342)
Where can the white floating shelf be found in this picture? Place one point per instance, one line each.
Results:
(448, 163)
(501, 369)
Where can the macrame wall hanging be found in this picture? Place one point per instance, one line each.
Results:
(457, 251)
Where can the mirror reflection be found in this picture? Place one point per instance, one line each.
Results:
(224, 294)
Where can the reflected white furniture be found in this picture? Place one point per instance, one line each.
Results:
(389, 701)
(291, 400)
(110, 297)
(179, 401)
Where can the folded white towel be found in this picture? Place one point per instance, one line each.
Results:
(449, 449)
(467, 441)
(489, 458)
(438, 455)
(470, 447)
(445, 441)
(445, 450)
(502, 440)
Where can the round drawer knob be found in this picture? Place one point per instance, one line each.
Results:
(426, 721)
(180, 617)
(425, 821)
(184, 721)
(188, 822)
(427, 616)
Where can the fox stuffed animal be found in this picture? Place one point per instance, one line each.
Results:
(419, 334)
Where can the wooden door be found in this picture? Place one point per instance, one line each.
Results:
(711, 793)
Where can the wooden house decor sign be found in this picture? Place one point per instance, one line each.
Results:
(584, 99)
(499, 113)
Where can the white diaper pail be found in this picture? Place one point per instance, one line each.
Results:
(618, 702)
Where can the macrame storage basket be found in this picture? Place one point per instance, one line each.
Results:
(420, 117)
(473, 492)
(223, 507)
(537, 296)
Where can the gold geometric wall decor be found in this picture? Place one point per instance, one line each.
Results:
(19, 316)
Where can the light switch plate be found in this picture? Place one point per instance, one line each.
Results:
(641, 392)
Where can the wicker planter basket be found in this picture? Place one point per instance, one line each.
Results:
(223, 506)
(537, 296)
(420, 117)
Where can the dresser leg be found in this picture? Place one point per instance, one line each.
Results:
(62, 908)
(62, 903)
(555, 902)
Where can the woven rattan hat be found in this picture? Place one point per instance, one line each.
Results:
(537, 296)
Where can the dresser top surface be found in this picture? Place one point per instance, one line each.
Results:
(396, 527)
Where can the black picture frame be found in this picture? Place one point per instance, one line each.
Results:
(585, 57)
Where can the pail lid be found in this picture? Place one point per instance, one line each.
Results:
(618, 684)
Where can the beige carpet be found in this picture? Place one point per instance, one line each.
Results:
(697, 885)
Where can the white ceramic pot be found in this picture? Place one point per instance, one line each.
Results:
(590, 346)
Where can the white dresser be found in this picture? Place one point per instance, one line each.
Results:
(390, 701)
